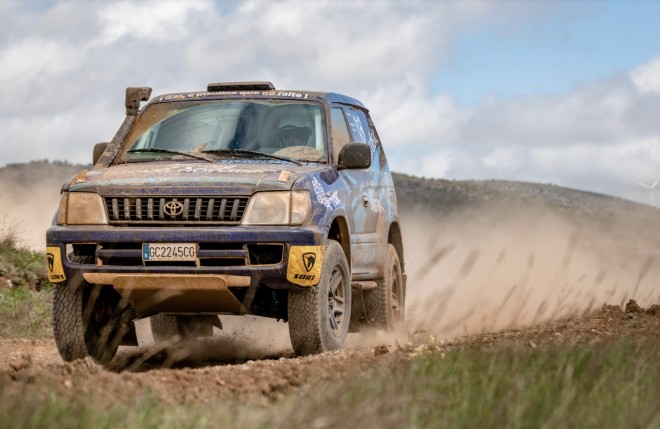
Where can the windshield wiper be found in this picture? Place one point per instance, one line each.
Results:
(158, 150)
(250, 152)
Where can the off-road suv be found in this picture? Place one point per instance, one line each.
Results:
(236, 200)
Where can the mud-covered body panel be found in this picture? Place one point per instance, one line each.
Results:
(343, 193)
(364, 199)
(272, 275)
(225, 177)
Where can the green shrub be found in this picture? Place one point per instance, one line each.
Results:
(19, 266)
(25, 313)
(25, 294)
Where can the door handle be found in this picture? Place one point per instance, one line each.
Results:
(365, 200)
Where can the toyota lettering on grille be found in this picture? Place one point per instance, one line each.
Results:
(173, 208)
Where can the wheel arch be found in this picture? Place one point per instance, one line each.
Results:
(395, 238)
(339, 231)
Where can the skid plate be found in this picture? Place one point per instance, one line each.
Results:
(178, 293)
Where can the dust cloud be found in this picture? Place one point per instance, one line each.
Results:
(470, 269)
(29, 197)
(493, 268)
(242, 338)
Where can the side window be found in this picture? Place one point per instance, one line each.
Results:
(375, 141)
(358, 123)
(339, 131)
(361, 128)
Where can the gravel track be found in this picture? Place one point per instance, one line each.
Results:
(189, 373)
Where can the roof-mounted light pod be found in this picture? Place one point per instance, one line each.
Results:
(240, 86)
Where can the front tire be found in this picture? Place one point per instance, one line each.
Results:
(85, 322)
(319, 316)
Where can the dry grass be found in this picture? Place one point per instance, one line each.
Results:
(610, 385)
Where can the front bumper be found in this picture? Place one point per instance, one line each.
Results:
(273, 276)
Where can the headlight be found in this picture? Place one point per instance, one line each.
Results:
(278, 208)
(81, 208)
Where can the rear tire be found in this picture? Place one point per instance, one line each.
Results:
(85, 323)
(318, 319)
(385, 305)
(164, 328)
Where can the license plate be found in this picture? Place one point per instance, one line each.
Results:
(169, 251)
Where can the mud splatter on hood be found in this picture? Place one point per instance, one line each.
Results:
(194, 178)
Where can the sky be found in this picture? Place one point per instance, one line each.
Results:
(552, 91)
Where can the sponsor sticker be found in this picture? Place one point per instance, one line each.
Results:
(330, 201)
(55, 270)
(305, 264)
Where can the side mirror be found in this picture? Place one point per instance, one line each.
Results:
(99, 148)
(354, 156)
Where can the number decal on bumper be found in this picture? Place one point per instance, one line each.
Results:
(305, 264)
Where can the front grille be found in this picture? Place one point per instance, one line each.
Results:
(164, 210)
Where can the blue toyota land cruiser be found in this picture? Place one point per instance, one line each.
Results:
(241, 199)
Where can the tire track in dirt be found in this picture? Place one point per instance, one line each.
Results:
(187, 381)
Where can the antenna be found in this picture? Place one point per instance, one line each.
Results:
(651, 188)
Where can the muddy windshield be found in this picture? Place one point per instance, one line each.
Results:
(291, 130)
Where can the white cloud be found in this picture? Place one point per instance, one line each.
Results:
(605, 112)
(343, 46)
(503, 159)
(604, 136)
(647, 76)
(160, 21)
(73, 59)
(63, 70)
(33, 61)
(405, 113)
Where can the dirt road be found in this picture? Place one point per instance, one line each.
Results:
(180, 373)
(195, 373)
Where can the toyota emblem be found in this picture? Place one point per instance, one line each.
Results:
(173, 208)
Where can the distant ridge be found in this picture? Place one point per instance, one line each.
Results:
(437, 195)
(442, 195)
(51, 174)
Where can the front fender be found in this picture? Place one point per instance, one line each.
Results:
(327, 194)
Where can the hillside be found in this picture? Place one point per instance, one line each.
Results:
(447, 195)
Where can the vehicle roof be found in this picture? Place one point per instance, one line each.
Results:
(285, 94)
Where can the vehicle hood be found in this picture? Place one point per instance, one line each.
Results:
(195, 178)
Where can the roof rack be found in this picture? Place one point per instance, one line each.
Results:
(240, 86)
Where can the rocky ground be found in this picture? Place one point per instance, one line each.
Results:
(189, 373)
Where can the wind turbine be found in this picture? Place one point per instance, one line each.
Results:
(651, 188)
